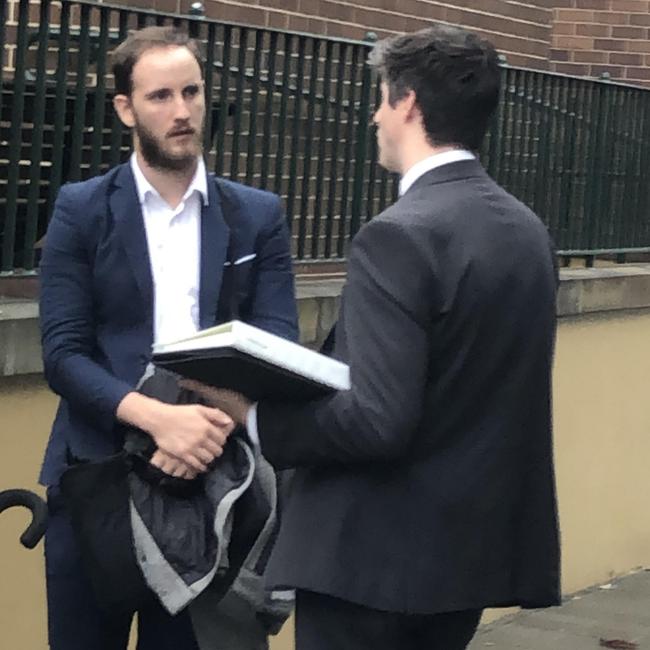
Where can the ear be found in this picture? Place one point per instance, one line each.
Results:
(122, 106)
(410, 107)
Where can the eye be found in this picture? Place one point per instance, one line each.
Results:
(191, 91)
(160, 95)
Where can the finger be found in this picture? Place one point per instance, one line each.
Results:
(204, 454)
(194, 462)
(216, 416)
(213, 447)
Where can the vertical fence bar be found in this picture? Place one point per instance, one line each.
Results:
(635, 173)
(295, 131)
(209, 90)
(322, 141)
(4, 4)
(333, 175)
(374, 162)
(15, 144)
(222, 114)
(268, 110)
(309, 134)
(36, 152)
(360, 158)
(79, 123)
(60, 106)
(117, 128)
(282, 119)
(100, 93)
(349, 142)
(252, 122)
(239, 102)
(542, 127)
(628, 193)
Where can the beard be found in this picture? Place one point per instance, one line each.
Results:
(154, 153)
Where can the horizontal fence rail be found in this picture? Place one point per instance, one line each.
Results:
(292, 113)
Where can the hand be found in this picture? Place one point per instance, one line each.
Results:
(228, 401)
(172, 466)
(192, 433)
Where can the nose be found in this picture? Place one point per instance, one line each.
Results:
(182, 109)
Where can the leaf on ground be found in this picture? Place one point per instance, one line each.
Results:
(618, 644)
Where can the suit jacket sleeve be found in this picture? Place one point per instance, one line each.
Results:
(67, 319)
(387, 308)
(274, 305)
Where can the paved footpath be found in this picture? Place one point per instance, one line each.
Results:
(613, 616)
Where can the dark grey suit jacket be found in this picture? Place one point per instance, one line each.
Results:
(429, 486)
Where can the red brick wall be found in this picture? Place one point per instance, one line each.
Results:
(520, 30)
(591, 37)
(577, 37)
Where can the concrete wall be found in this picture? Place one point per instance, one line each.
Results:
(602, 422)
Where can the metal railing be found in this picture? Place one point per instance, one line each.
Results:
(292, 113)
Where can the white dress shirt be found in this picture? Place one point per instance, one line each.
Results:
(426, 165)
(174, 243)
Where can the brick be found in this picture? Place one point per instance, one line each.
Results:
(611, 18)
(640, 19)
(630, 5)
(170, 6)
(380, 19)
(590, 29)
(637, 73)
(615, 71)
(572, 69)
(559, 55)
(573, 16)
(639, 46)
(616, 58)
(277, 20)
(573, 42)
(236, 13)
(593, 4)
(564, 29)
(287, 5)
(337, 11)
(591, 57)
(630, 32)
(611, 45)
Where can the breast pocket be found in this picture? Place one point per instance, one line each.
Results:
(237, 288)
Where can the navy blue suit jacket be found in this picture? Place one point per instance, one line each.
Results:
(97, 297)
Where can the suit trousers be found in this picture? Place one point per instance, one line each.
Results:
(75, 622)
(327, 623)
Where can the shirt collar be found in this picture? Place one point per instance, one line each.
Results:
(426, 165)
(144, 187)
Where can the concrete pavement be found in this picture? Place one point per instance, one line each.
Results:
(613, 616)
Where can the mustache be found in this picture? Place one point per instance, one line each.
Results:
(184, 130)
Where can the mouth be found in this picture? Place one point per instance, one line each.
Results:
(181, 133)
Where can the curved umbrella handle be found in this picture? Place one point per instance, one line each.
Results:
(38, 507)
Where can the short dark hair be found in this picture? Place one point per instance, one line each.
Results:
(129, 51)
(455, 77)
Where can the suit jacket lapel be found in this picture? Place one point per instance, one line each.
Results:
(215, 237)
(129, 224)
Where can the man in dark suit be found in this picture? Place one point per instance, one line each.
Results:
(426, 492)
(133, 257)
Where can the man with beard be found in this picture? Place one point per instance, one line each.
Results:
(132, 258)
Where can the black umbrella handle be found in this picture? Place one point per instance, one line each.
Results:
(31, 501)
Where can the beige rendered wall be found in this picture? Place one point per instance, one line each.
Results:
(602, 425)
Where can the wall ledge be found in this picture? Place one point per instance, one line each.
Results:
(582, 292)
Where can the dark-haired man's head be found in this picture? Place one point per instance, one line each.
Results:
(160, 95)
(440, 87)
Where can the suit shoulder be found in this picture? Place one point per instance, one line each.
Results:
(87, 193)
(247, 194)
